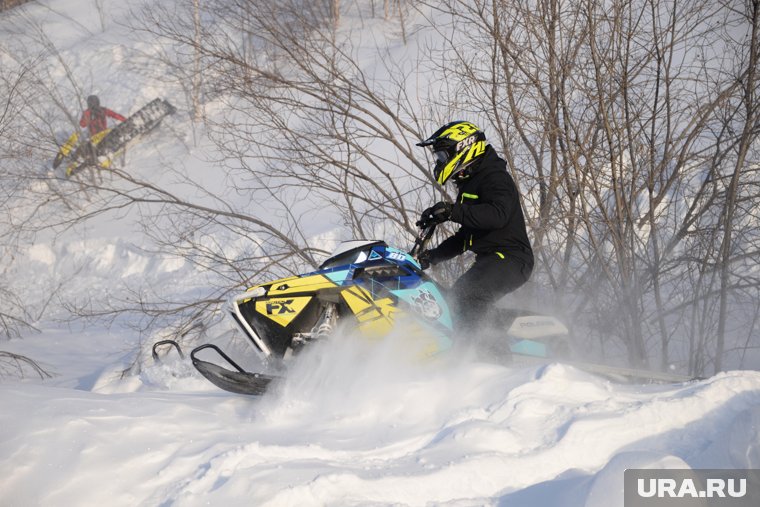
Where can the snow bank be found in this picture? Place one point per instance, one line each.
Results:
(354, 425)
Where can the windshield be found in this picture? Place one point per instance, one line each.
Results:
(351, 252)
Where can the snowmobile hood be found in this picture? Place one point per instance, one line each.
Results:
(369, 285)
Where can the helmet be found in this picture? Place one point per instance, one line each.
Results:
(456, 146)
(93, 102)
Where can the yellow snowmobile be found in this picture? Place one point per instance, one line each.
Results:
(77, 152)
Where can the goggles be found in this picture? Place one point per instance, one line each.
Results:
(441, 156)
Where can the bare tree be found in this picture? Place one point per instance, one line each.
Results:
(18, 366)
(630, 127)
(326, 126)
(13, 314)
(610, 116)
(748, 136)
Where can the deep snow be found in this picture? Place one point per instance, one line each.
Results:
(355, 423)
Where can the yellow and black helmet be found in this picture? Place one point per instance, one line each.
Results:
(456, 146)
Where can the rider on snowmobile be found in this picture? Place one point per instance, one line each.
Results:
(492, 223)
(95, 116)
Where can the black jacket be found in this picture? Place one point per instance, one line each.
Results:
(488, 207)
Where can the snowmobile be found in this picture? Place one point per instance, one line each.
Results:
(368, 286)
(102, 148)
(79, 153)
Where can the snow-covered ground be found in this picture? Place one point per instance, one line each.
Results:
(354, 428)
(354, 424)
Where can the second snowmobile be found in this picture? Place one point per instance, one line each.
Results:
(102, 148)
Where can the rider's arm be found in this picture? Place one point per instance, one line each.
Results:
(449, 248)
(494, 206)
(114, 115)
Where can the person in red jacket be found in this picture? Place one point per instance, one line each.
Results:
(95, 117)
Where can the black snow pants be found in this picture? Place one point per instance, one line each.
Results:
(491, 277)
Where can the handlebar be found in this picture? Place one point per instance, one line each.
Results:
(422, 239)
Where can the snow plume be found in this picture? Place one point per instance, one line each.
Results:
(359, 423)
(350, 379)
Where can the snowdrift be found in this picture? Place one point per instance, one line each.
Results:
(355, 426)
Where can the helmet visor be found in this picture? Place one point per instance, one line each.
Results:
(441, 156)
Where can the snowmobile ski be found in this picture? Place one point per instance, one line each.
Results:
(80, 153)
(238, 381)
(66, 149)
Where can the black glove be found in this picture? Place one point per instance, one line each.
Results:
(425, 259)
(437, 214)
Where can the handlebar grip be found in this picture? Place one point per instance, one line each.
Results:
(422, 239)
